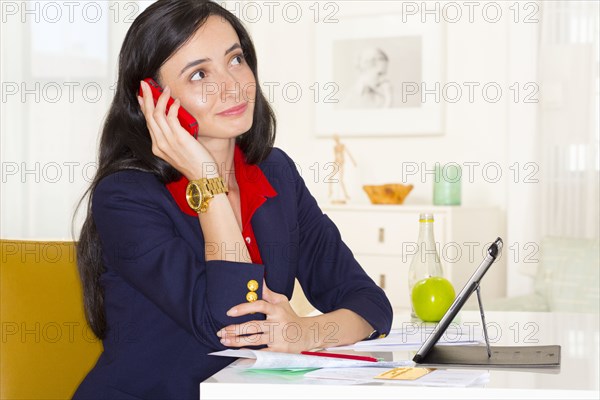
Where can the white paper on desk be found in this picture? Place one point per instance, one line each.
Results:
(439, 377)
(277, 360)
(413, 335)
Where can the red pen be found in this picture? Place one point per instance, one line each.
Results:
(337, 355)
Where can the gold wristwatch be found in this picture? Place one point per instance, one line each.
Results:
(199, 192)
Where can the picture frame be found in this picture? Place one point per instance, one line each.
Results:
(372, 71)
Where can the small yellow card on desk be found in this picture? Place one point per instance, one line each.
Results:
(405, 373)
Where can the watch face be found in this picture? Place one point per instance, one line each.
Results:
(193, 196)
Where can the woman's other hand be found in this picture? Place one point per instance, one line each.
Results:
(282, 331)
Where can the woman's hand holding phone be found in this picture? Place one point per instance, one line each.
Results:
(170, 141)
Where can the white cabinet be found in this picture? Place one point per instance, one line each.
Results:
(383, 239)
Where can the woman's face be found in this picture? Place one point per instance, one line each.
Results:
(210, 77)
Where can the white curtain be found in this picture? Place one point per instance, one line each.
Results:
(57, 70)
(569, 115)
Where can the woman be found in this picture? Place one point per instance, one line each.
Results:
(165, 284)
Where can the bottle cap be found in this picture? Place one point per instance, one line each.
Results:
(426, 217)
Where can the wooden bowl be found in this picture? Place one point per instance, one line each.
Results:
(393, 193)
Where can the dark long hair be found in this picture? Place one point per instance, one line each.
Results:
(154, 36)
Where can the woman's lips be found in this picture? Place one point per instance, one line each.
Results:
(239, 109)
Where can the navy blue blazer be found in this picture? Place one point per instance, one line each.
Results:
(164, 303)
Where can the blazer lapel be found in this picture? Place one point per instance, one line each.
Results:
(278, 249)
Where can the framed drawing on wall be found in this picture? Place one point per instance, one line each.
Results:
(381, 77)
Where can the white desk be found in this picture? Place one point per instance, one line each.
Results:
(577, 378)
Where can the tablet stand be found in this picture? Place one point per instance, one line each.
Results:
(497, 356)
(507, 356)
(485, 334)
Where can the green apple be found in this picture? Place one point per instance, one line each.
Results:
(432, 297)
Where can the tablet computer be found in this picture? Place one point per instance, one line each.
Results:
(472, 284)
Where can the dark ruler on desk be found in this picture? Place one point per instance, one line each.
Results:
(504, 356)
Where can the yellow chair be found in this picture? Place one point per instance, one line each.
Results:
(46, 346)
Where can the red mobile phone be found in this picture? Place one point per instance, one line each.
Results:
(185, 118)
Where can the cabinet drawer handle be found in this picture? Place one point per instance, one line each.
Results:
(382, 281)
(381, 235)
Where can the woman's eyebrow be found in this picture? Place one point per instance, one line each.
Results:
(232, 48)
(201, 60)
